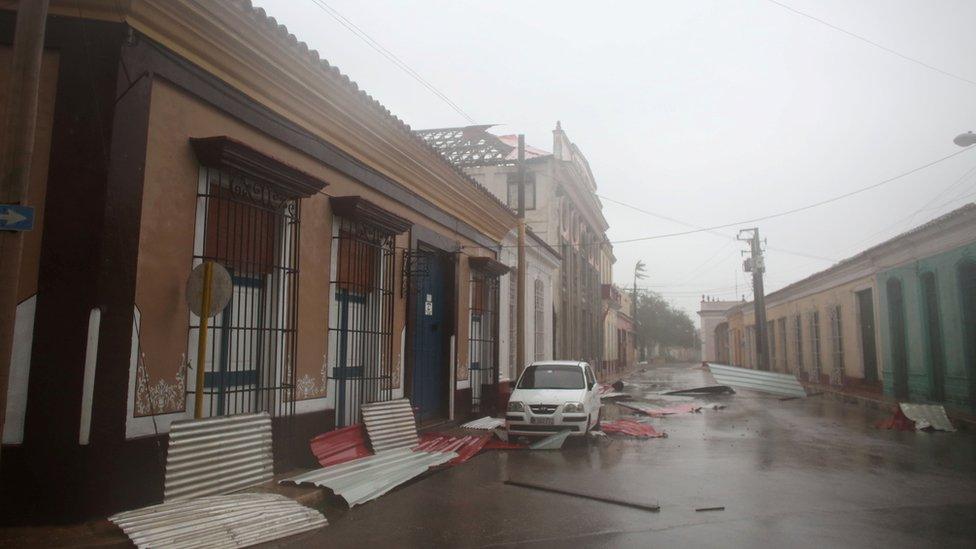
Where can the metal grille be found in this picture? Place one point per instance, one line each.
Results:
(252, 230)
(539, 321)
(483, 342)
(837, 346)
(798, 334)
(361, 318)
(513, 324)
(815, 346)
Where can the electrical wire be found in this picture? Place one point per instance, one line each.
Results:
(769, 216)
(390, 56)
(873, 43)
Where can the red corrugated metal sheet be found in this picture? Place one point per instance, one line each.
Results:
(631, 427)
(465, 446)
(340, 446)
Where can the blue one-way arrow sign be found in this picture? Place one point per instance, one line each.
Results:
(16, 218)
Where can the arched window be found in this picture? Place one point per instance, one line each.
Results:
(966, 273)
(896, 332)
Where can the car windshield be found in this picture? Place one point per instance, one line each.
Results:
(552, 377)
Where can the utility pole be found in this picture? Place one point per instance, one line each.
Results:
(638, 275)
(19, 123)
(520, 273)
(756, 264)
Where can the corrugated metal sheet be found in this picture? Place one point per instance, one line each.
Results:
(660, 411)
(486, 422)
(927, 416)
(340, 446)
(368, 478)
(237, 520)
(390, 425)
(218, 455)
(767, 382)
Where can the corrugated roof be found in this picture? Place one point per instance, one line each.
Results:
(390, 425)
(757, 380)
(368, 478)
(218, 455)
(237, 520)
(302, 50)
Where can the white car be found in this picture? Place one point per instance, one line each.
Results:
(553, 396)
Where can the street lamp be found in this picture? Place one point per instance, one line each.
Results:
(965, 139)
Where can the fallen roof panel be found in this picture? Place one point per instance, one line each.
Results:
(368, 478)
(757, 380)
(235, 520)
(218, 455)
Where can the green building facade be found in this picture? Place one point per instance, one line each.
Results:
(927, 324)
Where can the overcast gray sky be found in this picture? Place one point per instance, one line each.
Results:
(705, 111)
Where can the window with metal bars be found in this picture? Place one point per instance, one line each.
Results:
(512, 324)
(837, 346)
(815, 346)
(251, 229)
(483, 341)
(798, 344)
(539, 319)
(360, 334)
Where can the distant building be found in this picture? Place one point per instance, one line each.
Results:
(561, 207)
(897, 318)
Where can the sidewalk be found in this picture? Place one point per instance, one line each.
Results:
(961, 419)
(102, 533)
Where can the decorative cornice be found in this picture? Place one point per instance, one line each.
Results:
(237, 158)
(245, 48)
(488, 266)
(364, 211)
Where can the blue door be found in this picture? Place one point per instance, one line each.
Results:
(430, 329)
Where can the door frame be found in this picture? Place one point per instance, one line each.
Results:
(423, 239)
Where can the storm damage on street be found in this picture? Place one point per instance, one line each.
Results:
(281, 273)
(811, 472)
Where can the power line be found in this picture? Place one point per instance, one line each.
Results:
(793, 210)
(873, 43)
(390, 56)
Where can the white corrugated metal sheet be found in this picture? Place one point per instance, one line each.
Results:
(927, 416)
(390, 425)
(237, 520)
(757, 380)
(370, 477)
(218, 455)
(486, 422)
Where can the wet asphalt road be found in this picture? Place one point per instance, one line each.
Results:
(798, 473)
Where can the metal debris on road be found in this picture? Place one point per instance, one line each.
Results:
(551, 442)
(757, 380)
(709, 390)
(701, 509)
(370, 477)
(217, 455)
(236, 520)
(632, 428)
(918, 417)
(464, 446)
(390, 425)
(340, 446)
(487, 423)
(659, 411)
(645, 506)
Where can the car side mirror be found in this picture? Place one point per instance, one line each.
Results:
(591, 385)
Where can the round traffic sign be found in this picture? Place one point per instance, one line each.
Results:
(221, 288)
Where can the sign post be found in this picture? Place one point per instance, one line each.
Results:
(208, 291)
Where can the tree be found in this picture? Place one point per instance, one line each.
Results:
(659, 323)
